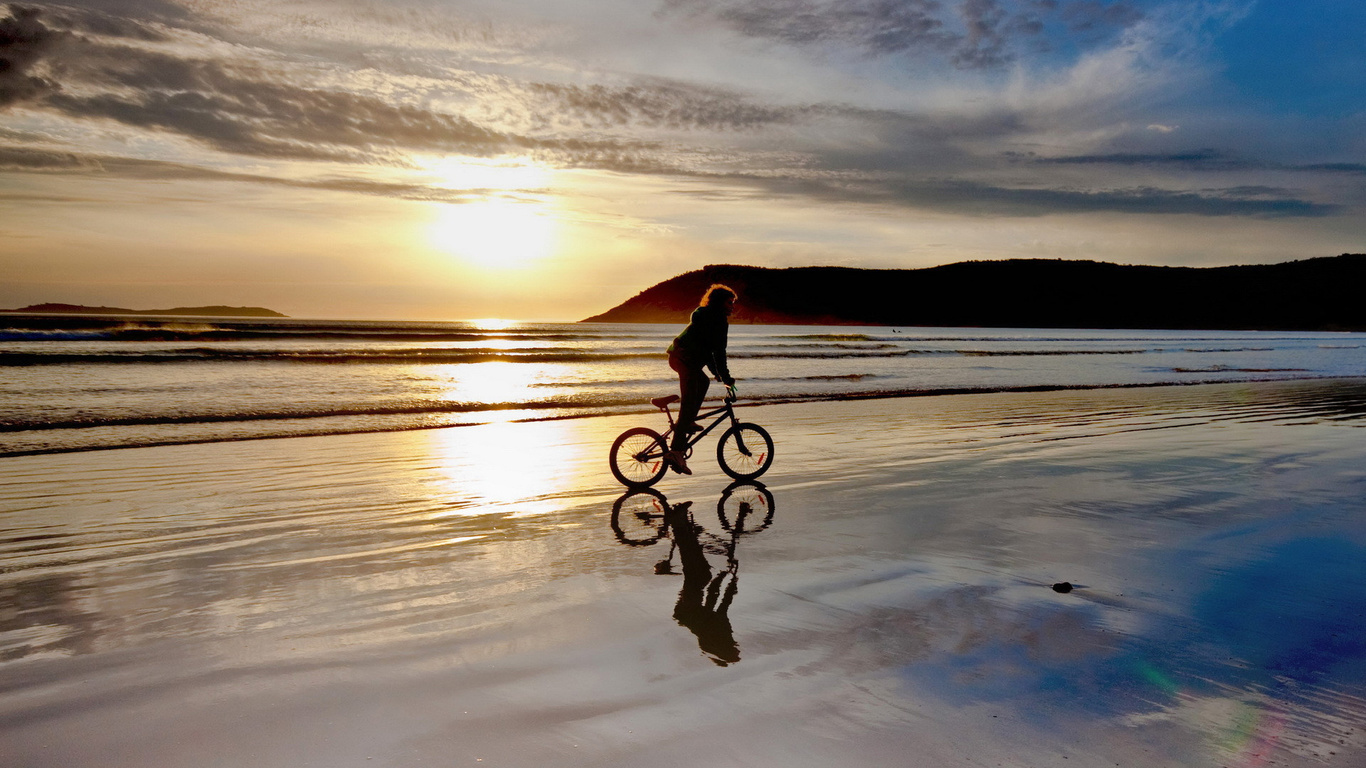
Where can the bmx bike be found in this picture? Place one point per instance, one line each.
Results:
(745, 450)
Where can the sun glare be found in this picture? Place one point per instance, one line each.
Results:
(460, 173)
(495, 234)
(503, 224)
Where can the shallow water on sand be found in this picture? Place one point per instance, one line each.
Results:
(462, 595)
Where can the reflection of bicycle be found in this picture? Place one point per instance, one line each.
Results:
(640, 518)
(744, 452)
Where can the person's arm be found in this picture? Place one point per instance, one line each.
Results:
(718, 353)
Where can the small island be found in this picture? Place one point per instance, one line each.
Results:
(211, 311)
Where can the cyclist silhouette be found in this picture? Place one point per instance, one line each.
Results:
(701, 344)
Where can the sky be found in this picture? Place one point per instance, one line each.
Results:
(548, 159)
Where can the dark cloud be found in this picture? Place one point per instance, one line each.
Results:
(970, 34)
(239, 108)
(24, 42)
(23, 159)
(984, 45)
(666, 105)
(1353, 168)
(93, 22)
(1094, 16)
(51, 161)
(879, 26)
(985, 199)
(1200, 159)
(236, 112)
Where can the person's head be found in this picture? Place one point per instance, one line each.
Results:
(720, 295)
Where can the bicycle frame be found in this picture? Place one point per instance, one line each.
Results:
(720, 413)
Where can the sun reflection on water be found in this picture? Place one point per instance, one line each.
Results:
(490, 383)
(492, 324)
(517, 469)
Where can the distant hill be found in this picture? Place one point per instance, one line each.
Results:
(215, 311)
(1313, 294)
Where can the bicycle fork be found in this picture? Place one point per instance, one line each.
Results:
(740, 437)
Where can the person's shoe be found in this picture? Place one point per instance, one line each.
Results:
(677, 463)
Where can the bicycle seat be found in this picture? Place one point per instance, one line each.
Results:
(663, 402)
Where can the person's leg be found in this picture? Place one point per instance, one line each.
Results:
(692, 388)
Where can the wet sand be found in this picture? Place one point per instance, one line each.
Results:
(461, 596)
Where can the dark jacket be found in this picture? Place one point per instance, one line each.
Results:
(703, 342)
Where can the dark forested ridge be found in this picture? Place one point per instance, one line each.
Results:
(79, 309)
(1317, 294)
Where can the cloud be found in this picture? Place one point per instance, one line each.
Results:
(978, 198)
(1200, 159)
(22, 159)
(157, 78)
(24, 41)
(660, 104)
(115, 24)
(246, 108)
(972, 198)
(1204, 158)
(53, 161)
(1095, 16)
(234, 112)
(970, 34)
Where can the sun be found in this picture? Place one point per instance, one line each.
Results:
(495, 233)
(502, 220)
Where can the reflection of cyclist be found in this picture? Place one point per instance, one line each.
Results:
(641, 518)
(701, 606)
(702, 343)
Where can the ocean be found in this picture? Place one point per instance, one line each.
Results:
(489, 594)
(83, 383)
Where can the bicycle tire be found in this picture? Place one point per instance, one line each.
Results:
(637, 457)
(745, 451)
(749, 504)
(639, 508)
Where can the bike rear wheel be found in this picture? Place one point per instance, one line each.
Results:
(637, 457)
(745, 451)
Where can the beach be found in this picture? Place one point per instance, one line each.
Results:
(467, 596)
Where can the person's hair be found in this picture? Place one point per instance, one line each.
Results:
(717, 291)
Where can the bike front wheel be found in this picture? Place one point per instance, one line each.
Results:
(745, 451)
(637, 457)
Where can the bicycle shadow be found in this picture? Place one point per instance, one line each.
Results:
(644, 517)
